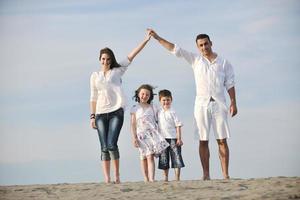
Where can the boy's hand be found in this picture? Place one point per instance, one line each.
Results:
(179, 142)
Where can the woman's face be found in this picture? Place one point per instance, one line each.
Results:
(105, 60)
(144, 95)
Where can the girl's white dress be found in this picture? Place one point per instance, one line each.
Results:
(149, 139)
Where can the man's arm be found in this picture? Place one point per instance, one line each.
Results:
(168, 45)
(233, 108)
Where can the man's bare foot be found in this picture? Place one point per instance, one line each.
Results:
(206, 178)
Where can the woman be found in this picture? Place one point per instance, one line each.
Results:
(106, 105)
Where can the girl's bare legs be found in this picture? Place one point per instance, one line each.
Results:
(166, 174)
(106, 170)
(144, 166)
(116, 164)
(177, 174)
(151, 167)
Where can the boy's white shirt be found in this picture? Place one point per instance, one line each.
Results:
(167, 123)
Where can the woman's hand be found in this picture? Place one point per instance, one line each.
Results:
(93, 123)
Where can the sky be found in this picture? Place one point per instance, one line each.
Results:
(50, 48)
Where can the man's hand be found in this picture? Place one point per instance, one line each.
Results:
(233, 109)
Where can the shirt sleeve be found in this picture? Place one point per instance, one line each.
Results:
(94, 91)
(229, 75)
(181, 53)
(176, 119)
(133, 109)
(124, 66)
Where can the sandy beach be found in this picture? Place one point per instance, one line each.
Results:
(262, 188)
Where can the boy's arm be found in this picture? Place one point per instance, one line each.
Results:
(133, 130)
(178, 136)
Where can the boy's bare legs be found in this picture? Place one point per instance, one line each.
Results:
(116, 164)
(106, 170)
(224, 157)
(166, 174)
(151, 167)
(144, 166)
(177, 174)
(204, 157)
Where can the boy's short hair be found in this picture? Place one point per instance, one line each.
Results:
(165, 93)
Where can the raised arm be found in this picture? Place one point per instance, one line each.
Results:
(135, 51)
(168, 45)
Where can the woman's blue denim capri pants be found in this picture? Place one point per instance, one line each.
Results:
(109, 126)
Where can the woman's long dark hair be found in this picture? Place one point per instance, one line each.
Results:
(147, 87)
(109, 52)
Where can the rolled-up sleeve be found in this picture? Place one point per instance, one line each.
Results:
(94, 91)
(229, 75)
(124, 66)
(181, 53)
(176, 119)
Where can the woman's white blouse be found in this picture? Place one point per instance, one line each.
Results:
(106, 90)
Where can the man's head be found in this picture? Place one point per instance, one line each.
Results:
(204, 45)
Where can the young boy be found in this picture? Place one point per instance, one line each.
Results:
(170, 128)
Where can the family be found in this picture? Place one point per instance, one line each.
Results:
(156, 132)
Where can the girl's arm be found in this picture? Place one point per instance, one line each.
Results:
(133, 130)
(178, 136)
(135, 51)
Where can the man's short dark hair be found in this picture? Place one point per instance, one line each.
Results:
(202, 36)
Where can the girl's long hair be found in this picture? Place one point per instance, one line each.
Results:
(147, 87)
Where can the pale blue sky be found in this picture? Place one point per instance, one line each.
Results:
(49, 49)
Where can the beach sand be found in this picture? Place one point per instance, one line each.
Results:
(261, 188)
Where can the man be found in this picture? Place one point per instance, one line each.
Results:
(213, 75)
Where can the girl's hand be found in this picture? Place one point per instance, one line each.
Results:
(93, 124)
(135, 142)
(179, 142)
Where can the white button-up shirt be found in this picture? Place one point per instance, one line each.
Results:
(106, 90)
(212, 78)
(167, 123)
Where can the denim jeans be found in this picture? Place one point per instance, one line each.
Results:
(109, 126)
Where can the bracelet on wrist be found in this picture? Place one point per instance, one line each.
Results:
(92, 116)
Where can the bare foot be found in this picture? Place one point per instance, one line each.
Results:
(206, 178)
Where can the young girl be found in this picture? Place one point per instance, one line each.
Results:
(144, 130)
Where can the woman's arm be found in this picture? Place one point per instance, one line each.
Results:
(93, 111)
(133, 130)
(135, 51)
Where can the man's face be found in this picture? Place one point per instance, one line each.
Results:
(204, 46)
